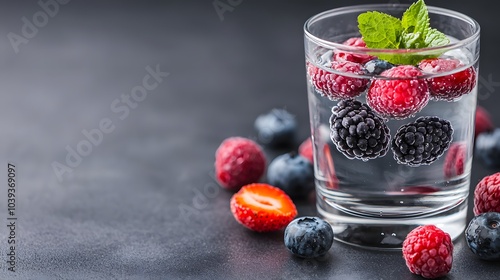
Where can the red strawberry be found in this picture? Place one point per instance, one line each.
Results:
(454, 162)
(487, 195)
(398, 98)
(452, 86)
(239, 161)
(428, 251)
(306, 149)
(483, 121)
(262, 207)
(337, 86)
(353, 57)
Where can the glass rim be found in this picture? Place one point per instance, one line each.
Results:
(374, 7)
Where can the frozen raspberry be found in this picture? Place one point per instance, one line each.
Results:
(449, 87)
(428, 251)
(353, 57)
(238, 162)
(487, 195)
(398, 98)
(357, 131)
(337, 86)
(306, 149)
(454, 162)
(422, 142)
(483, 121)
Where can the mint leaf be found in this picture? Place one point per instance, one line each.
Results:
(412, 40)
(379, 30)
(416, 19)
(435, 38)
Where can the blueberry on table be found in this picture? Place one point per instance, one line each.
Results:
(292, 173)
(483, 235)
(276, 128)
(308, 237)
(488, 148)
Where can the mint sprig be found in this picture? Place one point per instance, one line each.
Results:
(412, 31)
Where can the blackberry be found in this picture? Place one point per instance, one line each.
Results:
(377, 66)
(357, 131)
(483, 236)
(422, 142)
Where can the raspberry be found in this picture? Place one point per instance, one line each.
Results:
(357, 131)
(337, 86)
(239, 161)
(398, 98)
(487, 195)
(422, 142)
(306, 149)
(428, 251)
(449, 87)
(483, 121)
(353, 57)
(454, 162)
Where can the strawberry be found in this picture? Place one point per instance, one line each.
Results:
(262, 207)
(449, 87)
(306, 149)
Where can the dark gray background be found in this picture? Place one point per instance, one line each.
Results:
(118, 215)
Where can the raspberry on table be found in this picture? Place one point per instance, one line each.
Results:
(487, 195)
(454, 162)
(308, 237)
(450, 87)
(483, 236)
(239, 161)
(353, 57)
(336, 85)
(428, 251)
(398, 98)
(483, 121)
(422, 142)
(357, 131)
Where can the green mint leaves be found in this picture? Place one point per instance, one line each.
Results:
(413, 31)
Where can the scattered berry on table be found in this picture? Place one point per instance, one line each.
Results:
(308, 237)
(377, 66)
(292, 173)
(353, 57)
(449, 87)
(262, 207)
(428, 251)
(422, 142)
(306, 149)
(483, 122)
(335, 85)
(483, 236)
(454, 162)
(488, 148)
(276, 128)
(239, 161)
(487, 195)
(357, 131)
(398, 98)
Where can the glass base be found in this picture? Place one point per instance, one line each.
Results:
(388, 233)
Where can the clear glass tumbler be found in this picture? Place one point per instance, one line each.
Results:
(374, 202)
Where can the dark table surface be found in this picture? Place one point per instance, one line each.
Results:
(141, 203)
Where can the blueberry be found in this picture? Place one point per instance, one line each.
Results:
(308, 237)
(488, 148)
(377, 66)
(276, 128)
(483, 235)
(292, 173)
